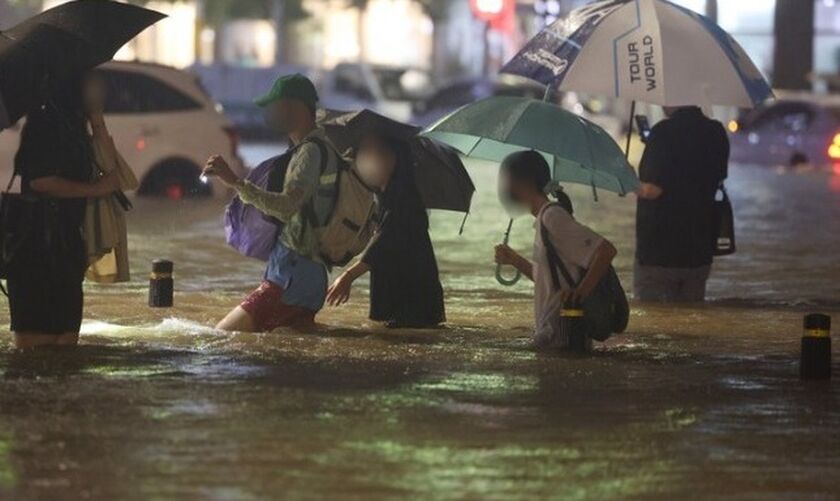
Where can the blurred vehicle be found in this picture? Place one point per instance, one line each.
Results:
(452, 96)
(609, 114)
(249, 121)
(163, 123)
(794, 129)
(462, 92)
(387, 90)
(236, 87)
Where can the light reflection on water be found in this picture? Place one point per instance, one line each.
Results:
(700, 401)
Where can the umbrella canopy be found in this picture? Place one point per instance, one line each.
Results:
(346, 130)
(440, 174)
(644, 50)
(28, 67)
(578, 150)
(41, 52)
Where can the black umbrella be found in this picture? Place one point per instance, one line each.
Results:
(346, 129)
(38, 54)
(440, 174)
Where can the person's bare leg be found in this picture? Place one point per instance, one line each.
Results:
(68, 339)
(31, 340)
(237, 320)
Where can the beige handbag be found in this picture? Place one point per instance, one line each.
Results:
(105, 231)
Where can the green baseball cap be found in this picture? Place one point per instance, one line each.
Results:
(294, 86)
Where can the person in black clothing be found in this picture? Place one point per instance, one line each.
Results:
(55, 163)
(405, 288)
(683, 165)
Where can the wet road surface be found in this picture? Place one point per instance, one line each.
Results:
(693, 402)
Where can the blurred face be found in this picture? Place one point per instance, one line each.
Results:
(94, 93)
(287, 115)
(375, 161)
(514, 194)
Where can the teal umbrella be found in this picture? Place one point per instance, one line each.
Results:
(578, 150)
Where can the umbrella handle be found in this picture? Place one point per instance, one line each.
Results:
(501, 278)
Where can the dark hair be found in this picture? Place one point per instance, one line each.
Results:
(404, 165)
(531, 167)
(59, 124)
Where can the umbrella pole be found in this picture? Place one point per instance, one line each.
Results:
(630, 129)
(463, 223)
(499, 277)
(548, 89)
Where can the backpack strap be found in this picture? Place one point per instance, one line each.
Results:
(308, 211)
(15, 173)
(554, 261)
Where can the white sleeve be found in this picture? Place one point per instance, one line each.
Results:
(574, 242)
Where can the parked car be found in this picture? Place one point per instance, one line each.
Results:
(794, 129)
(165, 126)
(388, 90)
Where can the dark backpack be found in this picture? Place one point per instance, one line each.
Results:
(280, 166)
(606, 311)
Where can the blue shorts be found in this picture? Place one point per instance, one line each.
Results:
(304, 281)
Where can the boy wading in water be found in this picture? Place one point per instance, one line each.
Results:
(295, 282)
(524, 185)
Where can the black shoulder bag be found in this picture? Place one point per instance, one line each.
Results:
(605, 311)
(18, 215)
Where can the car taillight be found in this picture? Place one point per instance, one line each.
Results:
(834, 147)
(233, 135)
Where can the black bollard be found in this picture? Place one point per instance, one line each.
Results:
(815, 361)
(161, 284)
(572, 325)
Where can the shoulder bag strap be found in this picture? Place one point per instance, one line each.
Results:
(15, 174)
(322, 149)
(554, 261)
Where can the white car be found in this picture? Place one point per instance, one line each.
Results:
(163, 123)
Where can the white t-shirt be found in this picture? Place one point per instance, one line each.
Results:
(575, 244)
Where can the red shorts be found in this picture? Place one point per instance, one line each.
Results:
(268, 311)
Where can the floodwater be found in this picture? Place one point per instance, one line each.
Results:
(700, 402)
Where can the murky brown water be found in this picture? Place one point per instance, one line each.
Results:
(691, 403)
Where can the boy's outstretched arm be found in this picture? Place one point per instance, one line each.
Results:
(507, 256)
(601, 262)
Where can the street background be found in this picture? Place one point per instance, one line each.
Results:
(692, 402)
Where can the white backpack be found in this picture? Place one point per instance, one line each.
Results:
(342, 211)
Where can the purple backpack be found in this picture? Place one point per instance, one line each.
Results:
(246, 229)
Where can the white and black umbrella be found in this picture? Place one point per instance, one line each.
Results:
(652, 51)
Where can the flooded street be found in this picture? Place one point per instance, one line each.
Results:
(700, 402)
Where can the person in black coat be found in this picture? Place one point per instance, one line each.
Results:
(55, 162)
(405, 288)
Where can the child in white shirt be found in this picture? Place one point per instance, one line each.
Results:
(525, 182)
